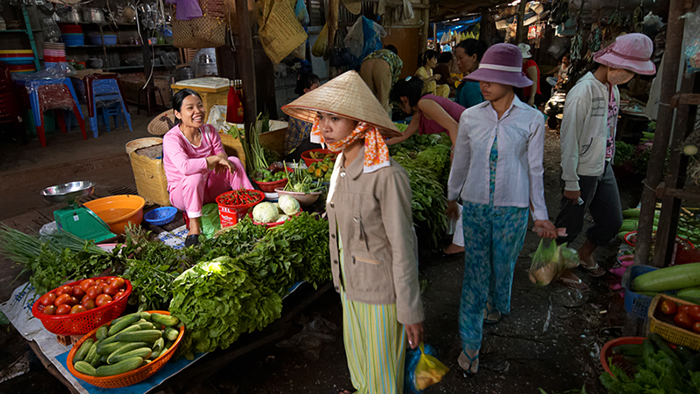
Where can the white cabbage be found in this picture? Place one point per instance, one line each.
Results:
(265, 212)
(289, 204)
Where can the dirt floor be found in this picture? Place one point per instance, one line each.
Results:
(551, 339)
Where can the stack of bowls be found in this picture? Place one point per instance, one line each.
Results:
(73, 39)
(17, 57)
(53, 53)
(70, 28)
(22, 69)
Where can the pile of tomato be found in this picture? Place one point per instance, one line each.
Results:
(86, 295)
(684, 316)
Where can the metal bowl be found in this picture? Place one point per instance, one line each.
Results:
(68, 192)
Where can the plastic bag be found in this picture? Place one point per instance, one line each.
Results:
(422, 369)
(210, 220)
(302, 13)
(692, 41)
(321, 45)
(548, 263)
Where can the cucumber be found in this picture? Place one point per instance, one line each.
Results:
(91, 353)
(117, 320)
(120, 367)
(692, 292)
(103, 359)
(670, 278)
(84, 368)
(126, 347)
(124, 323)
(171, 333)
(107, 349)
(145, 325)
(143, 352)
(102, 332)
(628, 350)
(663, 346)
(145, 316)
(154, 355)
(165, 320)
(629, 225)
(168, 343)
(139, 336)
(630, 213)
(83, 351)
(158, 345)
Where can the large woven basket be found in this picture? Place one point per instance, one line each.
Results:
(149, 173)
(208, 31)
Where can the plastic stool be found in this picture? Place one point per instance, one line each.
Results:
(54, 93)
(104, 87)
(112, 110)
(150, 92)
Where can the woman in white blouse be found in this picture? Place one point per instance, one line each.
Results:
(497, 172)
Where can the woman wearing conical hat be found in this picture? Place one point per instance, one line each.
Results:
(373, 254)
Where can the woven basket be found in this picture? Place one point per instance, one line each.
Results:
(208, 31)
(233, 147)
(149, 174)
(668, 331)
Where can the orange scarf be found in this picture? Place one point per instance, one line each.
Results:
(376, 151)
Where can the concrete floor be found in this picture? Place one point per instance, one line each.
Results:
(545, 342)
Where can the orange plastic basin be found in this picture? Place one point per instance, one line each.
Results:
(118, 211)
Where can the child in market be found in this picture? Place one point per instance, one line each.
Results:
(500, 144)
(373, 258)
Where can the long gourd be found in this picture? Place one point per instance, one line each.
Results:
(671, 278)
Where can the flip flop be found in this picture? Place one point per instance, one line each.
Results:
(595, 271)
(492, 315)
(575, 284)
(471, 361)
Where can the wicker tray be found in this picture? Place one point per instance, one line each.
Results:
(669, 331)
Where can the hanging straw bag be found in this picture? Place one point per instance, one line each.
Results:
(208, 31)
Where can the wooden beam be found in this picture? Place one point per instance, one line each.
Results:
(246, 63)
(332, 22)
(390, 3)
(425, 18)
(519, 33)
(664, 121)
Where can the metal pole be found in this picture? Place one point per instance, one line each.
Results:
(664, 123)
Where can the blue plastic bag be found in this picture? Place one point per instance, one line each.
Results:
(413, 357)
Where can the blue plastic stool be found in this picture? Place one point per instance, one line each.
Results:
(112, 110)
(107, 90)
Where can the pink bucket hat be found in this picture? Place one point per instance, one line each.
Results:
(630, 52)
(502, 63)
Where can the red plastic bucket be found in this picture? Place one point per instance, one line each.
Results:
(230, 214)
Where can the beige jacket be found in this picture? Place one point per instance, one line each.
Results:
(372, 212)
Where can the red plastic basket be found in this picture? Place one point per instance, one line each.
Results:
(617, 359)
(230, 214)
(83, 322)
(271, 225)
(306, 156)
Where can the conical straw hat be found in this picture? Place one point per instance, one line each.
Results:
(162, 123)
(347, 96)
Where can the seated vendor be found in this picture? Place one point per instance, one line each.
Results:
(196, 165)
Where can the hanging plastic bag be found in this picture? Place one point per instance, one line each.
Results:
(548, 263)
(321, 45)
(301, 12)
(210, 220)
(692, 42)
(422, 369)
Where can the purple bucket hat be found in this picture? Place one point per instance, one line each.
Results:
(502, 63)
(630, 52)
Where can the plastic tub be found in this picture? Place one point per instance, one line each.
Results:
(118, 211)
(110, 39)
(161, 216)
(230, 214)
(308, 160)
(84, 322)
(127, 378)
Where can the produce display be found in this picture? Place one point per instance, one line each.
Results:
(267, 175)
(241, 196)
(301, 181)
(670, 278)
(685, 316)
(656, 368)
(426, 159)
(322, 156)
(127, 343)
(267, 212)
(688, 224)
(322, 169)
(88, 294)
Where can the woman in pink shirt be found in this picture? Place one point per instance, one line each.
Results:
(196, 165)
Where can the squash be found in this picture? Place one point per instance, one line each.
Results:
(670, 278)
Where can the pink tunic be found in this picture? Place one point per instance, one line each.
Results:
(190, 183)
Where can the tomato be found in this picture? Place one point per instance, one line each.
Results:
(103, 299)
(64, 290)
(117, 282)
(47, 299)
(51, 310)
(63, 309)
(89, 304)
(668, 307)
(86, 284)
(78, 292)
(94, 291)
(74, 301)
(684, 308)
(101, 283)
(696, 327)
(77, 309)
(120, 294)
(63, 299)
(110, 290)
(85, 298)
(683, 320)
(694, 312)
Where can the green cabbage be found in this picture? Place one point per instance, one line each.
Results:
(265, 212)
(288, 204)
